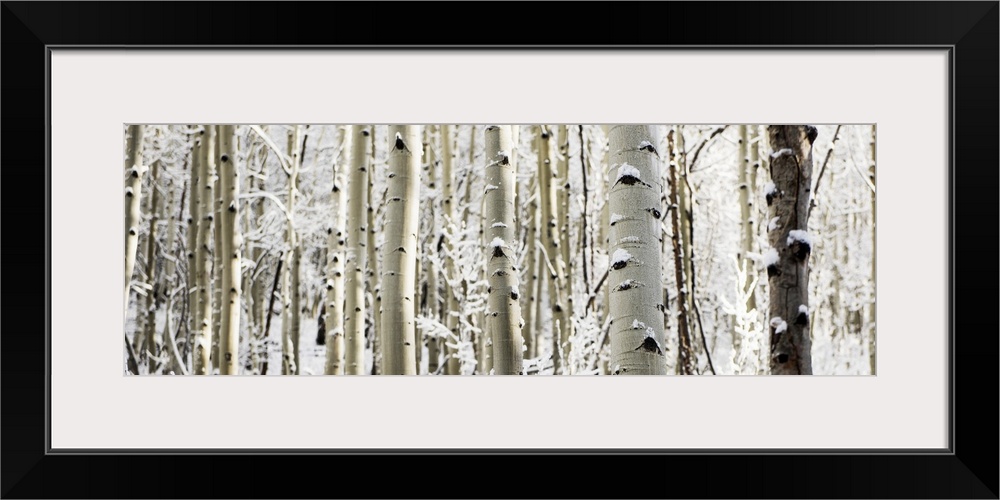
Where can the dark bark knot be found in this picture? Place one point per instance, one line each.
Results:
(802, 319)
(619, 264)
(650, 345)
(505, 160)
(800, 249)
(631, 180)
(649, 148)
(225, 158)
(811, 133)
(627, 285)
(655, 212)
(772, 271)
(400, 145)
(497, 252)
(513, 295)
(782, 358)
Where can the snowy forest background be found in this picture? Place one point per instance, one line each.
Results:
(269, 239)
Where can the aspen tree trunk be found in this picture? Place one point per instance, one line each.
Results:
(134, 170)
(747, 229)
(685, 356)
(635, 303)
(418, 340)
(548, 189)
(230, 254)
(433, 302)
(290, 284)
(448, 200)
(192, 245)
(746, 207)
(202, 345)
(529, 313)
(336, 240)
(357, 251)
(872, 354)
(217, 260)
(566, 330)
(788, 278)
(500, 222)
(374, 283)
(399, 251)
(149, 345)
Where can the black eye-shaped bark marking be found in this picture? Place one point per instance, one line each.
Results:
(650, 345)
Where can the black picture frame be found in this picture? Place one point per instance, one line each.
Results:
(967, 469)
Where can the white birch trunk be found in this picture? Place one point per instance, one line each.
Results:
(194, 195)
(548, 186)
(230, 253)
(399, 251)
(336, 240)
(134, 170)
(635, 300)
(563, 221)
(500, 225)
(449, 207)
(357, 251)
(202, 344)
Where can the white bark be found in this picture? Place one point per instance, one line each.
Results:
(357, 251)
(134, 170)
(336, 239)
(563, 221)
(449, 208)
(636, 309)
(202, 342)
(548, 186)
(194, 195)
(500, 223)
(399, 251)
(230, 254)
(291, 323)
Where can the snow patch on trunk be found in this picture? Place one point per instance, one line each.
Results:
(770, 257)
(621, 256)
(779, 325)
(799, 235)
(626, 170)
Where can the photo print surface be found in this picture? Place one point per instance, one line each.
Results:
(513, 249)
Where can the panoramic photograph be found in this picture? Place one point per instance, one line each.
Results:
(514, 249)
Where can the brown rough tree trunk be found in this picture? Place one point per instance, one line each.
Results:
(788, 258)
